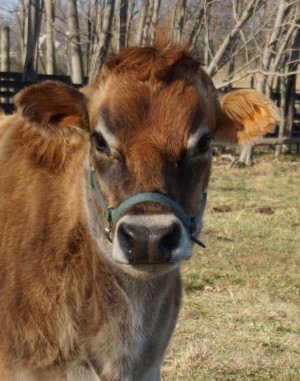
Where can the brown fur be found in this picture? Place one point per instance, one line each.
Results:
(68, 310)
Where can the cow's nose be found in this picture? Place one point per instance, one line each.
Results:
(142, 244)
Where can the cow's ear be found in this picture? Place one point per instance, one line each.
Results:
(245, 116)
(54, 107)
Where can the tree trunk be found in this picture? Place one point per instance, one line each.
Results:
(123, 23)
(50, 51)
(4, 49)
(34, 18)
(173, 19)
(289, 110)
(206, 34)
(94, 59)
(23, 21)
(179, 24)
(102, 45)
(196, 29)
(154, 21)
(129, 20)
(89, 47)
(271, 40)
(5, 59)
(148, 22)
(115, 35)
(141, 21)
(106, 34)
(278, 149)
(76, 54)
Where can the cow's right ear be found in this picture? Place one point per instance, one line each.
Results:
(245, 116)
(54, 107)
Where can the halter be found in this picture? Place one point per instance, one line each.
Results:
(111, 215)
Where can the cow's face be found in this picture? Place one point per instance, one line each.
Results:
(150, 115)
(152, 137)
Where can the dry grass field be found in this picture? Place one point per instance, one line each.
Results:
(240, 317)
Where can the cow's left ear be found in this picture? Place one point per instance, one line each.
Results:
(245, 116)
(54, 107)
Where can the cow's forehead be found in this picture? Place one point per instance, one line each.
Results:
(155, 109)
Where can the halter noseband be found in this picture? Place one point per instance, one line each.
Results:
(112, 215)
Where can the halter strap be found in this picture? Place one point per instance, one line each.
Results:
(112, 214)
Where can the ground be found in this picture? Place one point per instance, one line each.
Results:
(240, 318)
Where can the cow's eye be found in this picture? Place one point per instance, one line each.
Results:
(100, 143)
(204, 143)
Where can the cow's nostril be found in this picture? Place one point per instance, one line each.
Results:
(126, 236)
(170, 238)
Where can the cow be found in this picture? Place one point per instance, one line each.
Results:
(102, 194)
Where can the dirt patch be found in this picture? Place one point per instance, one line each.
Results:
(221, 209)
(266, 210)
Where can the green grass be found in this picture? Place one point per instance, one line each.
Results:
(240, 316)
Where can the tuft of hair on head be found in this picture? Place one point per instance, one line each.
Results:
(163, 60)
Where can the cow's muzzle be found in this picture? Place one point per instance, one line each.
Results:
(143, 245)
(112, 215)
(150, 239)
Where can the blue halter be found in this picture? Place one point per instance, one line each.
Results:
(112, 215)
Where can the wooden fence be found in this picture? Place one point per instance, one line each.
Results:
(12, 83)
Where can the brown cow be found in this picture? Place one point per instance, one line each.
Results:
(101, 195)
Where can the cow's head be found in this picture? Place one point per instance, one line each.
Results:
(153, 113)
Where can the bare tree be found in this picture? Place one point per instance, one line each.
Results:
(147, 24)
(229, 39)
(4, 48)
(288, 89)
(34, 17)
(107, 25)
(94, 28)
(4, 55)
(197, 28)
(102, 38)
(271, 38)
(263, 44)
(142, 21)
(76, 54)
(22, 21)
(50, 51)
(179, 18)
(130, 19)
(154, 18)
(123, 14)
(207, 49)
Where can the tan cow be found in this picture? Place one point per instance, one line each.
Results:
(102, 193)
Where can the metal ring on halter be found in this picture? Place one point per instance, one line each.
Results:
(108, 230)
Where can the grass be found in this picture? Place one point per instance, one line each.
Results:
(240, 316)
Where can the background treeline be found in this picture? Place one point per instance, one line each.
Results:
(242, 43)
